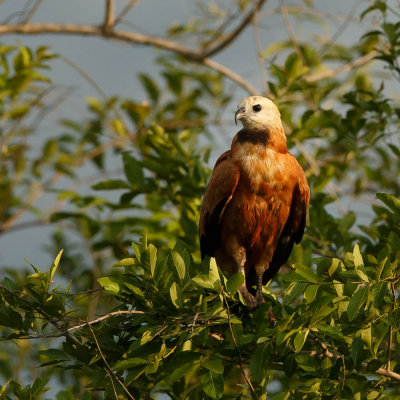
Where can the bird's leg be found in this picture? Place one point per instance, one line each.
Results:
(260, 269)
(250, 300)
(239, 255)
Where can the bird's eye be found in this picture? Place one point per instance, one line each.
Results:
(257, 108)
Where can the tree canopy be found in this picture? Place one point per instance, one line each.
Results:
(127, 310)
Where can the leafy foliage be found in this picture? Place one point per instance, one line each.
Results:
(160, 321)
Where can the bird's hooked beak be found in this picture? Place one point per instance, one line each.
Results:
(238, 115)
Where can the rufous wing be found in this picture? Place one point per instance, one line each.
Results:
(219, 192)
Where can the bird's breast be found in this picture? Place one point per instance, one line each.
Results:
(261, 169)
(262, 199)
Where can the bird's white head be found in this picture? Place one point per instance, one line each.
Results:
(259, 113)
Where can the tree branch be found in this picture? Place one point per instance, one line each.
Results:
(109, 371)
(220, 44)
(127, 37)
(233, 76)
(109, 15)
(109, 315)
(344, 68)
(245, 377)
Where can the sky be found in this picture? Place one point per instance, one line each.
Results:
(114, 67)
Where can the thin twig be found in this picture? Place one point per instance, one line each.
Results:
(109, 315)
(32, 11)
(220, 44)
(81, 72)
(257, 42)
(109, 370)
(125, 11)
(380, 371)
(390, 341)
(290, 31)
(245, 377)
(340, 29)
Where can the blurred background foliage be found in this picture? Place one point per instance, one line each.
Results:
(134, 170)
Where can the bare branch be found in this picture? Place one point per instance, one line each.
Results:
(344, 68)
(257, 41)
(109, 315)
(127, 37)
(125, 11)
(220, 44)
(232, 76)
(81, 72)
(109, 17)
(292, 36)
(91, 30)
(380, 371)
(341, 28)
(388, 373)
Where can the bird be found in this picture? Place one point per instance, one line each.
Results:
(255, 204)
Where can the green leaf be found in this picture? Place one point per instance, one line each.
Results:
(175, 292)
(378, 293)
(109, 285)
(150, 86)
(203, 281)
(134, 289)
(358, 260)
(214, 274)
(357, 349)
(125, 262)
(212, 383)
(54, 266)
(54, 354)
(310, 293)
(392, 202)
(129, 363)
(259, 361)
(177, 264)
(295, 289)
(133, 170)
(234, 282)
(111, 184)
(306, 272)
(356, 301)
(153, 258)
(4, 387)
(213, 364)
(300, 339)
(282, 396)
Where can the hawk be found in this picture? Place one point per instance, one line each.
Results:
(254, 207)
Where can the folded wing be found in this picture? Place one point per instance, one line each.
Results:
(218, 194)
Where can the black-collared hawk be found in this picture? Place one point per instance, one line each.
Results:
(254, 207)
